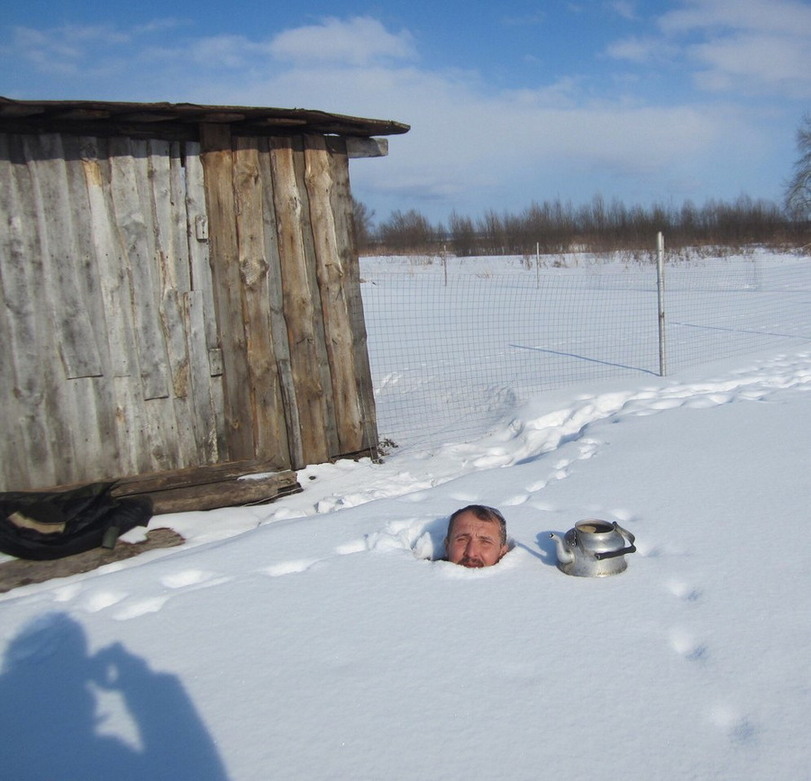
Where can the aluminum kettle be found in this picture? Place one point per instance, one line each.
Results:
(594, 548)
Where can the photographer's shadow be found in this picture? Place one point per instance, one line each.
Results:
(49, 692)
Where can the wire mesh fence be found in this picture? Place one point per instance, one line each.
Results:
(455, 342)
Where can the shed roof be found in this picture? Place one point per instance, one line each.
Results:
(180, 120)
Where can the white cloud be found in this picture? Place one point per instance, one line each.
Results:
(755, 63)
(641, 50)
(62, 50)
(157, 25)
(358, 41)
(81, 52)
(223, 51)
(743, 46)
(624, 8)
(776, 16)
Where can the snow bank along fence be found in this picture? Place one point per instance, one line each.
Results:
(456, 342)
(181, 302)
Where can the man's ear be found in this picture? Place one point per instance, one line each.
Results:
(504, 549)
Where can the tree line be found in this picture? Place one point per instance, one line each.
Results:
(554, 226)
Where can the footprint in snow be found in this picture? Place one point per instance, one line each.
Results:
(290, 567)
(685, 644)
(353, 546)
(684, 591)
(99, 600)
(665, 404)
(588, 447)
(67, 593)
(192, 578)
(738, 727)
(652, 552)
(492, 460)
(141, 608)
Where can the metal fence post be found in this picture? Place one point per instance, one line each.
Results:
(537, 264)
(660, 289)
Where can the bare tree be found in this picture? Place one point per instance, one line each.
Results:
(798, 191)
(407, 232)
(463, 234)
(362, 217)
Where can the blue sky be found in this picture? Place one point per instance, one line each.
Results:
(509, 102)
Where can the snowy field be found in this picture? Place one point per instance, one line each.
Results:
(317, 637)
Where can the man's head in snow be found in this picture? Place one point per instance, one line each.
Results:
(477, 536)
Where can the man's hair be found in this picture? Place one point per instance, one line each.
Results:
(483, 513)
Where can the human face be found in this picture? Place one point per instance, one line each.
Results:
(473, 542)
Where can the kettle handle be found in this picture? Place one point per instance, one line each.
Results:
(622, 551)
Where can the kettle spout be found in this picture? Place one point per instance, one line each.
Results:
(565, 553)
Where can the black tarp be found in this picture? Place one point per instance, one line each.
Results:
(55, 524)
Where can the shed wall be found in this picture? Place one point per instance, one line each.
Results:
(175, 304)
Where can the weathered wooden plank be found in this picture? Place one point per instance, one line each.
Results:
(203, 488)
(209, 487)
(269, 432)
(341, 200)
(159, 194)
(186, 411)
(172, 277)
(330, 432)
(160, 420)
(194, 476)
(224, 255)
(355, 147)
(168, 206)
(131, 431)
(40, 184)
(17, 330)
(111, 257)
(130, 215)
(198, 242)
(299, 305)
(179, 217)
(204, 342)
(331, 280)
(230, 493)
(203, 402)
(69, 316)
(275, 298)
(161, 414)
(90, 404)
(35, 443)
(122, 378)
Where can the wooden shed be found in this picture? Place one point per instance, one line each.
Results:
(181, 303)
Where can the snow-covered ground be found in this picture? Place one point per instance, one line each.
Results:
(455, 343)
(315, 637)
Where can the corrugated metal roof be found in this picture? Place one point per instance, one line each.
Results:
(182, 119)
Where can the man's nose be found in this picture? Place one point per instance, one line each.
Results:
(471, 547)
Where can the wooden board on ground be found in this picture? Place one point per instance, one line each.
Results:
(207, 488)
(22, 572)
